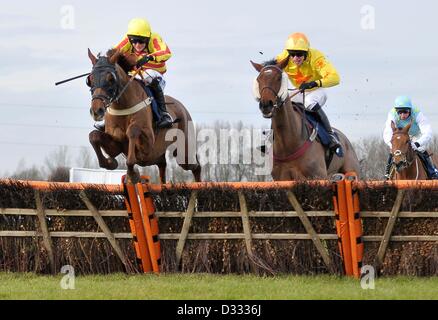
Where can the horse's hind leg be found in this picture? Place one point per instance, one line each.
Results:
(100, 140)
(135, 145)
(162, 169)
(194, 167)
(351, 164)
(197, 173)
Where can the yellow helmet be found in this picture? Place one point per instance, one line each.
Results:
(139, 27)
(297, 41)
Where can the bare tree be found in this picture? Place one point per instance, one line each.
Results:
(23, 173)
(86, 159)
(58, 158)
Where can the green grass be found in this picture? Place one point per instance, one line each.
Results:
(203, 286)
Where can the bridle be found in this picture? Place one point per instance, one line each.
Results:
(281, 95)
(405, 162)
(99, 72)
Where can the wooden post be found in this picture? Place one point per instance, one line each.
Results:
(389, 228)
(309, 228)
(47, 241)
(245, 223)
(103, 226)
(186, 226)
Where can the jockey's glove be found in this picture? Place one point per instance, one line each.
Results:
(308, 86)
(143, 61)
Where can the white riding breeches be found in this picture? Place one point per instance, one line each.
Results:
(150, 75)
(311, 98)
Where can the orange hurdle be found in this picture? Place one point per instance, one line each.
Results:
(137, 227)
(342, 225)
(150, 223)
(355, 223)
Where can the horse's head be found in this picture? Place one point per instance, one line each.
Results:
(401, 149)
(270, 88)
(104, 83)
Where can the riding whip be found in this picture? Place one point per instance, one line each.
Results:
(71, 79)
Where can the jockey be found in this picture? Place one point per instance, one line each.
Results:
(309, 70)
(152, 54)
(420, 132)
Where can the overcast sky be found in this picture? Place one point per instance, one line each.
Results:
(212, 43)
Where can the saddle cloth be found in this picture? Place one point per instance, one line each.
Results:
(323, 135)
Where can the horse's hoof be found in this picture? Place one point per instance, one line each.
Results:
(112, 164)
(133, 177)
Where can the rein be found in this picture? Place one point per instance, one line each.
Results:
(108, 100)
(304, 126)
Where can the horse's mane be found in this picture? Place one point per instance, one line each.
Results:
(126, 62)
(271, 62)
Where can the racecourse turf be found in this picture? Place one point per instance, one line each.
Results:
(207, 287)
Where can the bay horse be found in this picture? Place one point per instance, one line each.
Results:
(297, 154)
(129, 127)
(406, 164)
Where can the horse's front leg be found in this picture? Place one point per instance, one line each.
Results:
(100, 140)
(133, 133)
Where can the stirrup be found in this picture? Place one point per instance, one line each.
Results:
(167, 114)
(166, 121)
(336, 148)
(100, 126)
(434, 175)
(387, 174)
(339, 152)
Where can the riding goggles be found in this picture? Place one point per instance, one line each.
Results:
(297, 53)
(135, 40)
(403, 111)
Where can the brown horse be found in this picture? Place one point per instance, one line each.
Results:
(297, 155)
(129, 125)
(406, 164)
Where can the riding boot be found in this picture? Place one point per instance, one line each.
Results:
(334, 145)
(388, 167)
(432, 172)
(100, 126)
(165, 120)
